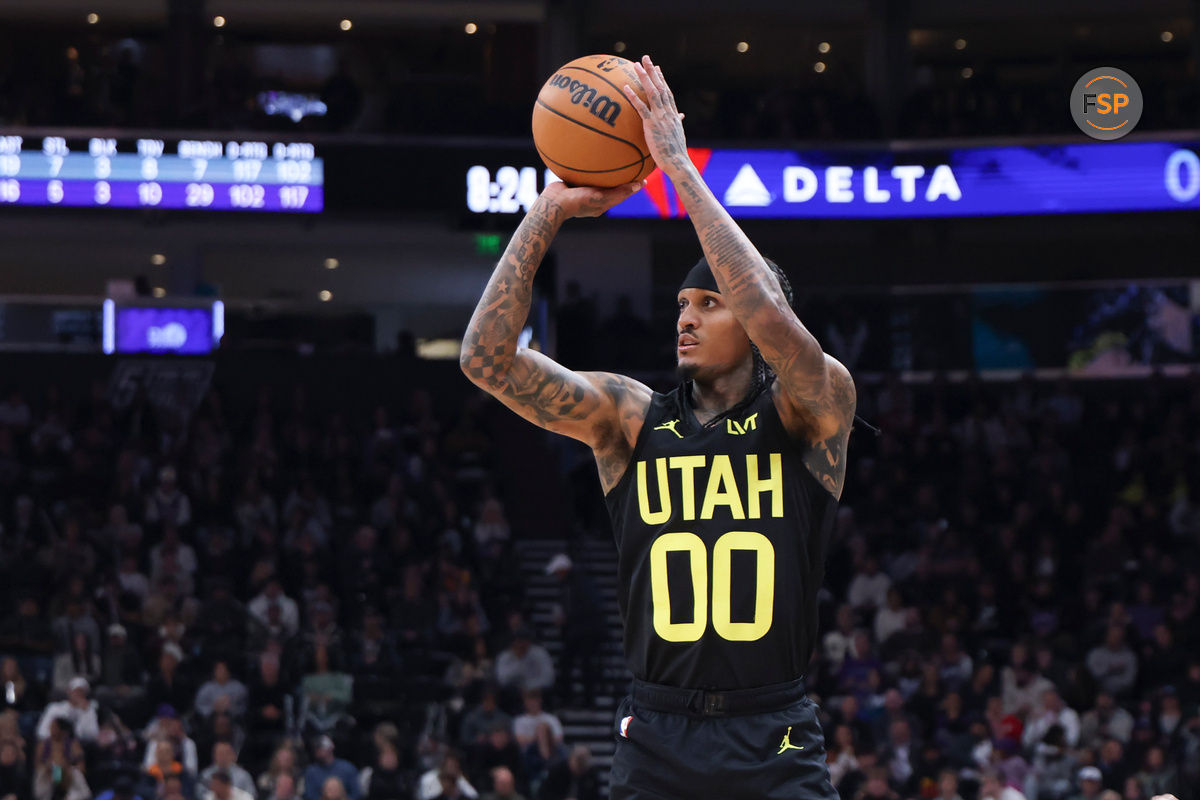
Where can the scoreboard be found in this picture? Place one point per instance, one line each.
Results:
(169, 173)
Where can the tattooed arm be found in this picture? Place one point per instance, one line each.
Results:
(814, 392)
(600, 409)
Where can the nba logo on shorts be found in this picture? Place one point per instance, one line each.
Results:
(625, 726)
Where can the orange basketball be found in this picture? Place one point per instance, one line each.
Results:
(584, 127)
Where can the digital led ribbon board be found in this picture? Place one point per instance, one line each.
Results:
(875, 183)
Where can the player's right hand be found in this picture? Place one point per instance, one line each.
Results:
(587, 201)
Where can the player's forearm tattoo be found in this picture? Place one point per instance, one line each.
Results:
(754, 296)
(490, 342)
(827, 459)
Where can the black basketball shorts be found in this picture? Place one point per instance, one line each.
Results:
(681, 744)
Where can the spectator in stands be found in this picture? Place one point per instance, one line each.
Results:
(76, 620)
(890, 618)
(121, 678)
(59, 779)
(284, 788)
(167, 732)
(224, 759)
(497, 750)
(526, 724)
(868, 589)
(460, 617)
(163, 764)
(1113, 664)
(491, 530)
(222, 692)
(375, 646)
(323, 630)
(79, 710)
(168, 687)
(545, 749)
(325, 766)
(858, 667)
(123, 788)
(288, 614)
(1053, 769)
(947, 786)
(221, 623)
(448, 788)
(841, 758)
(876, 786)
(170, 507)
(221, 787)
(414, 611)
(385, 780)
(580, 618)
(1023, 687)
(993, 787)
(1113, 765)
(574, 778)
(900, 755)
(284, 762)
(504, 786)
(17, 693)
(1157, 776)
(1091, 784)
(1053, 712)
(445, 780)
(955, 666)
(838, 642)
(27, 633)
(1106, 720)
(269, 701)
(1162, 661)
(14, 776)
(177, 787)
(484, 718)
(525, 665)
(325, 693)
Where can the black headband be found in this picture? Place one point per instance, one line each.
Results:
(700, 277)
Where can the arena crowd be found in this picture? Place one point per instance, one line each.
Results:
(284, 600)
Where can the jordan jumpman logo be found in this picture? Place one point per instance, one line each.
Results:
(669, 426)
(786, 744)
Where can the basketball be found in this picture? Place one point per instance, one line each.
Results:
(584, 127)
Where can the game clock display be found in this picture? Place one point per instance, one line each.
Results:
(510, 191)
(196, 174)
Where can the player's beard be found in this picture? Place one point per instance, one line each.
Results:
(686, 372)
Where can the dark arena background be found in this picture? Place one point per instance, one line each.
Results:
(261, 538)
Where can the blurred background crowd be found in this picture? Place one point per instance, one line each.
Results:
(287, 600)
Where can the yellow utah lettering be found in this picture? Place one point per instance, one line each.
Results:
(664, 493)
(773, 483)
(722, 490)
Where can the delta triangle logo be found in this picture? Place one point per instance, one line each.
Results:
(747, 189)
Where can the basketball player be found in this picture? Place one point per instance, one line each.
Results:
(721, 493)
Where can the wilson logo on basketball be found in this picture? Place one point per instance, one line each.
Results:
(601, 105)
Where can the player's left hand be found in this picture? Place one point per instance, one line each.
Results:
(661, 120)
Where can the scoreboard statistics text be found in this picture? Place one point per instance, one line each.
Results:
(199, 174)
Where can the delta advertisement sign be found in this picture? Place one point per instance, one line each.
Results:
(969, 181)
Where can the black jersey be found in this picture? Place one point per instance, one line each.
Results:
(721, 536)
